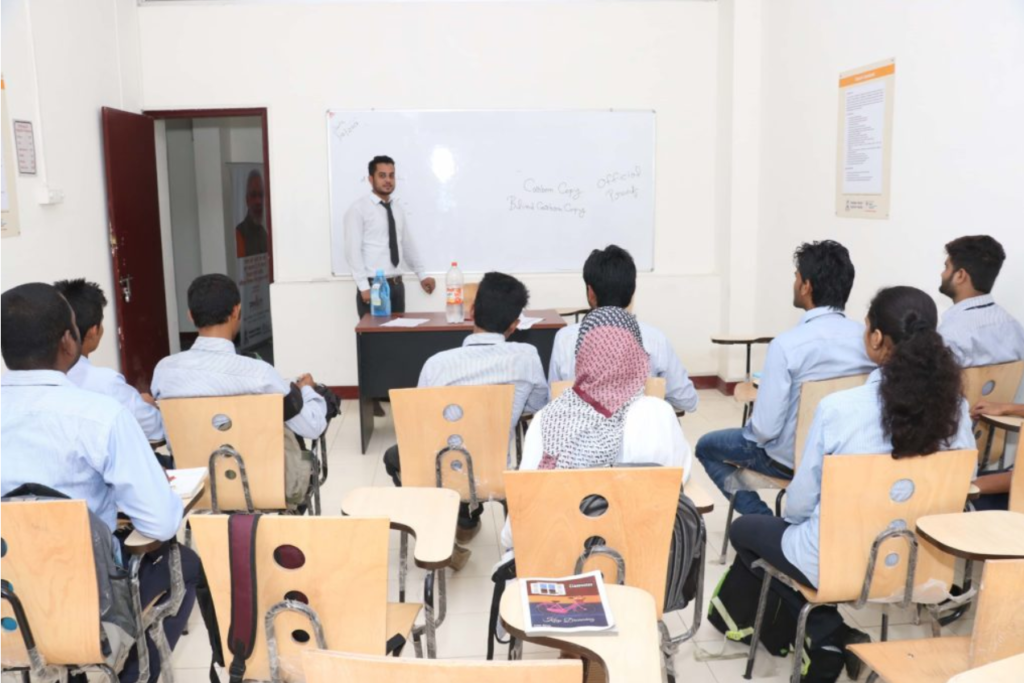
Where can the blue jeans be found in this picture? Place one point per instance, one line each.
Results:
(717, 449)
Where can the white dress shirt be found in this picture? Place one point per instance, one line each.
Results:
(651, 435)
(679, 390)
(846, 423)
(981, 332)
(825, 345)
(212, 368)
(487, 358)
(367, 247)
(111, 383)
(87, 446)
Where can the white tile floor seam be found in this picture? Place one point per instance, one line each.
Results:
(463, 635)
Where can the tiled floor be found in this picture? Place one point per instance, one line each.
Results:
(464, 632)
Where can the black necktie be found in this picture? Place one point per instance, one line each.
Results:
(392, 234)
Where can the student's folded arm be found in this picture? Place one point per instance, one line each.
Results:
(804, 492)
(679, 389)
(148, 416)
(312, 419)
(141, 489)
(772, 404)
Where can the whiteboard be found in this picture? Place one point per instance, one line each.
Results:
(514, 191)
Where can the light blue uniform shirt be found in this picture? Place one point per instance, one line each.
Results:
(111, 383)
(87, 446)
(846, 423)
(679, 390)
(980, 332)
(825, 345)
(212, 368)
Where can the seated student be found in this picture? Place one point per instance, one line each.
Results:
(824, 345)
(976, 328)
(610, 276)
(486, 358)
(911, 406)
(212, 368)
(87, 301)
(605, 418)
(84, 445)
(995, 485)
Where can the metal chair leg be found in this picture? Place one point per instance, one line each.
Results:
(728, 525)
(403, 565)
(762, 603)
(798, 645)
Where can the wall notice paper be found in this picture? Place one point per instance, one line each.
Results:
(864, 150)
(8, 187)
(251, 249)
(25, 142)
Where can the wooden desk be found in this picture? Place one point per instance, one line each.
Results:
(392, 357)
(632, 654)
(1010, 423)
(988, 535)
(741, 340)
(1009, 670)
(139, 544)
(428, 514)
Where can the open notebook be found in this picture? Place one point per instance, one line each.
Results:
(187, 482)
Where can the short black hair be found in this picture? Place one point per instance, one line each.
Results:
(211, 298)
(380, 159)
(500, 299)
(981, 256)
(827, 266)
(86, 300)
(34, 318)
(611, 273)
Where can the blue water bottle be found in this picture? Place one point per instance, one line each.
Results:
(380, 295)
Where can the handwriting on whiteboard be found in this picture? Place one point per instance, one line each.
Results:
(342, 129)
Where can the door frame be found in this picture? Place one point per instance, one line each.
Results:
(260, 112)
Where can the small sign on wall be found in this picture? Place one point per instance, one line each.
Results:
(25, 143)
(864, 149)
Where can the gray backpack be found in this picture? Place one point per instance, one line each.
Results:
(117, 615)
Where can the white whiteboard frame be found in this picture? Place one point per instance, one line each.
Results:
(654, 170)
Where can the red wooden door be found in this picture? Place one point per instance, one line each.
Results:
(133, 212)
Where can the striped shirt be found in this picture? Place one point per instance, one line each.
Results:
(87, 446)
(212, 368)
(679, 390)
(980, 332)
(825, 345)
(486, 358)
(111, 383)
(846, 423)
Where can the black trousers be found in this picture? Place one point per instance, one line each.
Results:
(393, 466)
(397, 298)
(154, 579)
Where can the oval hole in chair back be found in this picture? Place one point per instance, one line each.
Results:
(221, 422)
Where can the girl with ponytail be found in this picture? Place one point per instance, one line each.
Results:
(911, 406)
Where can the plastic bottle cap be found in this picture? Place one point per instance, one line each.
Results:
(455, 263)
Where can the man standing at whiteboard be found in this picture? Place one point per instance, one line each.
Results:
(377, 238)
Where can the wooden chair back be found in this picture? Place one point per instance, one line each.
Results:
(469, 290)
(811, 394)
(1017, 479)
(254, 428)
(48, 561)
(655, 387)
(549, 529)
(343, 578)
(476, 418)
(996, 383)
(331, 667)
(857, 505)
(999, 624)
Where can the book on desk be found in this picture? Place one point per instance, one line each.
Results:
(571, 604)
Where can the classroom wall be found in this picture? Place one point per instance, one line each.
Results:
(62, 61)
(298, 60)
(957, 141)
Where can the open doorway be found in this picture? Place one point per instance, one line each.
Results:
(213, 183)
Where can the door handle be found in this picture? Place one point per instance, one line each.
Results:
(126, 288)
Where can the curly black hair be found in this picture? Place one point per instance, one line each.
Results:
(921, 384)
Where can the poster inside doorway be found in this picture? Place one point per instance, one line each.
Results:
(864, 150)
(252, 253)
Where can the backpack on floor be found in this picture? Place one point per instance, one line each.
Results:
(733, 610)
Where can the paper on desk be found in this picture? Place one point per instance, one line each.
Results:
(187, 482)
(406, 322)
(526, 323)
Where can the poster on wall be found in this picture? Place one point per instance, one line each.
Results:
(252, 253)
(864, 148)
(8, 189)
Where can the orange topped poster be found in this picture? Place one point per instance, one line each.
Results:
(864, 147)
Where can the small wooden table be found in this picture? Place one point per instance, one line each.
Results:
(1009, 670)
(633, 654)
(988, 535)
(140, 544)
(429, 514)
(392, 357)
(741, 340)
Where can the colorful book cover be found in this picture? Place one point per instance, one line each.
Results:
(570, 604)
